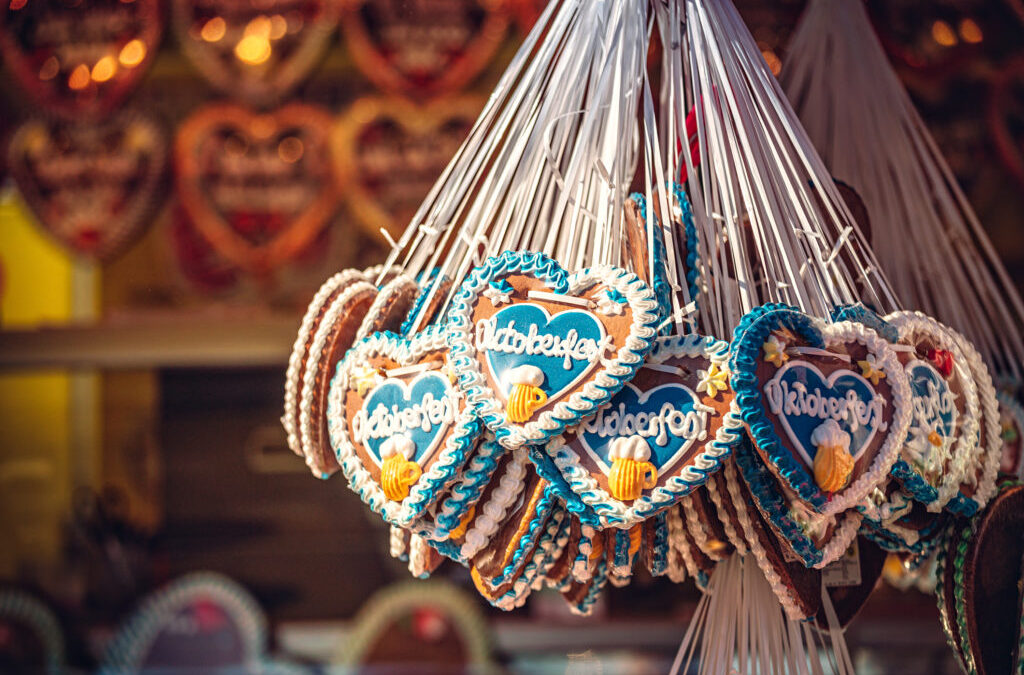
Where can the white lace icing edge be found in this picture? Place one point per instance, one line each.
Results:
(989, 457)
(581, 569)
(677, 573)
(403, 351)
(313, 360)
(397, 285)
(899, 385)
(532, 576)
(910, 324)
(291, 379)
(699, 532)
(782, 592)
(723, 517)
(642, 304)
(398, 542)
(491, 514)
(419, 557)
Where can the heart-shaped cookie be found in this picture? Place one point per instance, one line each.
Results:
(257, 52)
(80, 59)
(537, 349)
(940, 450)
(655, 441)
(388, 153)
(399, 426)
(827, 405)
(421, 49)
(93, 187)
(259, 187)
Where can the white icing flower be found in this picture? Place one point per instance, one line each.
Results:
(525, 375)
(630, 447)
(829, 434)
(609, 305)
(775, 351)
(497, 296)
(397, 445)
(713, 380)
(928, 456)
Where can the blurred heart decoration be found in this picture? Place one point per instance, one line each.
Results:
(388, 152)
(423, 48)
(257, 52)
(258, 187)
(92, 186)
(83, 58)
(1005, 117)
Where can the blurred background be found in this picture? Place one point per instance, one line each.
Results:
(178, 177)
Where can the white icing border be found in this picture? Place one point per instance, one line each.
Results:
(313, 364)
(491, 514)
(391, 289)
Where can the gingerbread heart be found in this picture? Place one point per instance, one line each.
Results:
(80, 59)
(827, 407)
(93, 187)
(258, 186)
(940, 450)
(655, 441)
(257, 52)
(536, 349)
(388, 153)
(399, 426)
(421, 49)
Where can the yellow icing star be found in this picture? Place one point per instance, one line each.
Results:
(775, 351)
(365, 378)
(713, 380)
(870, 370)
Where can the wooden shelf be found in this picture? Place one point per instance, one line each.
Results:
(171, 340)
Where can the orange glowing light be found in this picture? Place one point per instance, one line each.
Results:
(773, 61)
(260, 25)
(971, 32)
(104, 69)
(80, 77)
(214, 29)
(943, 34)
(253, 49)
(132, 54)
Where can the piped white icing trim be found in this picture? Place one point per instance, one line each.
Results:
(783, 593)
(396, 286)
(493, 512)
(313, 361)
(989, 457)
(675, 571)
(699, 532)
(731, 534)
(291, 379)
(398, 542)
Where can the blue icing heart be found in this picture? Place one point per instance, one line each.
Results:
(801, 397)
(421, 410)
(564, 347)
(934, 402)
(669, 417)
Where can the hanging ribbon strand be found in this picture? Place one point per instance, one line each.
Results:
(927, 237)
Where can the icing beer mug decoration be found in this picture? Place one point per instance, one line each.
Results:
(398, 470)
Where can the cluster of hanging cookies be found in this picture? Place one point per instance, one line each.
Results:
(544, 428)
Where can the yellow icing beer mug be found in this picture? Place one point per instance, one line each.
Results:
(397, 472)
(833, 463)
(525, 395)
(631, 473)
